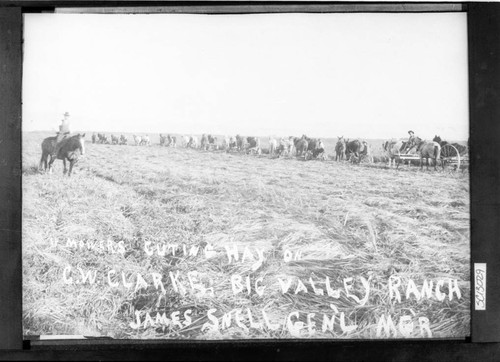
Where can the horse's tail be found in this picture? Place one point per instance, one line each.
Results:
(437, 151)
(437, 155)
(42, 160)
(47, 149)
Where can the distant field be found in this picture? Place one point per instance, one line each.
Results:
(126, 205)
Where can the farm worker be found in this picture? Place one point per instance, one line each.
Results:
(410, 142)
(62, 134)
(412, 136)
(366, 150)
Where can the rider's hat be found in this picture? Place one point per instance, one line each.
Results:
(411, 132)
(66, 114)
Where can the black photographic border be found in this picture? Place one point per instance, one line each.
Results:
(483, 23)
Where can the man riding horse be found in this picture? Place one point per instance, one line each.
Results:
(62, 135)
(410, 143)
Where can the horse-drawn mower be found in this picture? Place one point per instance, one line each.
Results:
(450, 158)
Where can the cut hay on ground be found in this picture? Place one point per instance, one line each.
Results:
(347, 221)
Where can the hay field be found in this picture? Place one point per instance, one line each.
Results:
(118, 249)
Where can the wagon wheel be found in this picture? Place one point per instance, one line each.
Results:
(450, 157)
(464, 159)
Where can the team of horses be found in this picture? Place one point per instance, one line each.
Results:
(351, 150)
(395, 149)
(285, 146)
(308, 148)
(428, 150)
(168, 141)
(462, 150)
(101, 138)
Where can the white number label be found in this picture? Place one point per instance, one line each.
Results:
(480, 286)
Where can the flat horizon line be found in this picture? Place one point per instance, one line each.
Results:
(219, 135)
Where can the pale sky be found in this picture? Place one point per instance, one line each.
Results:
(324, 75)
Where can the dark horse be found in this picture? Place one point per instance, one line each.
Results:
(301, 146)
(354, 148)
(428, 150)
(340, 149)
(462, 150)
(240, 142)
(163, 140)
(68, 151)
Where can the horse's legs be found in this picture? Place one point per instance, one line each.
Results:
(52, 159)
(71, 163)
(43, 161)
(65, 169)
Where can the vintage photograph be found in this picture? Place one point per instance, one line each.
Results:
(246, 176)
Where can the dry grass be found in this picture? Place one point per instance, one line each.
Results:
(347, 221)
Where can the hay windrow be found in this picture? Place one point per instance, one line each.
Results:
(336, 222)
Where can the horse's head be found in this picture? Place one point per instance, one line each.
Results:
(74, 143)
(81, 140)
